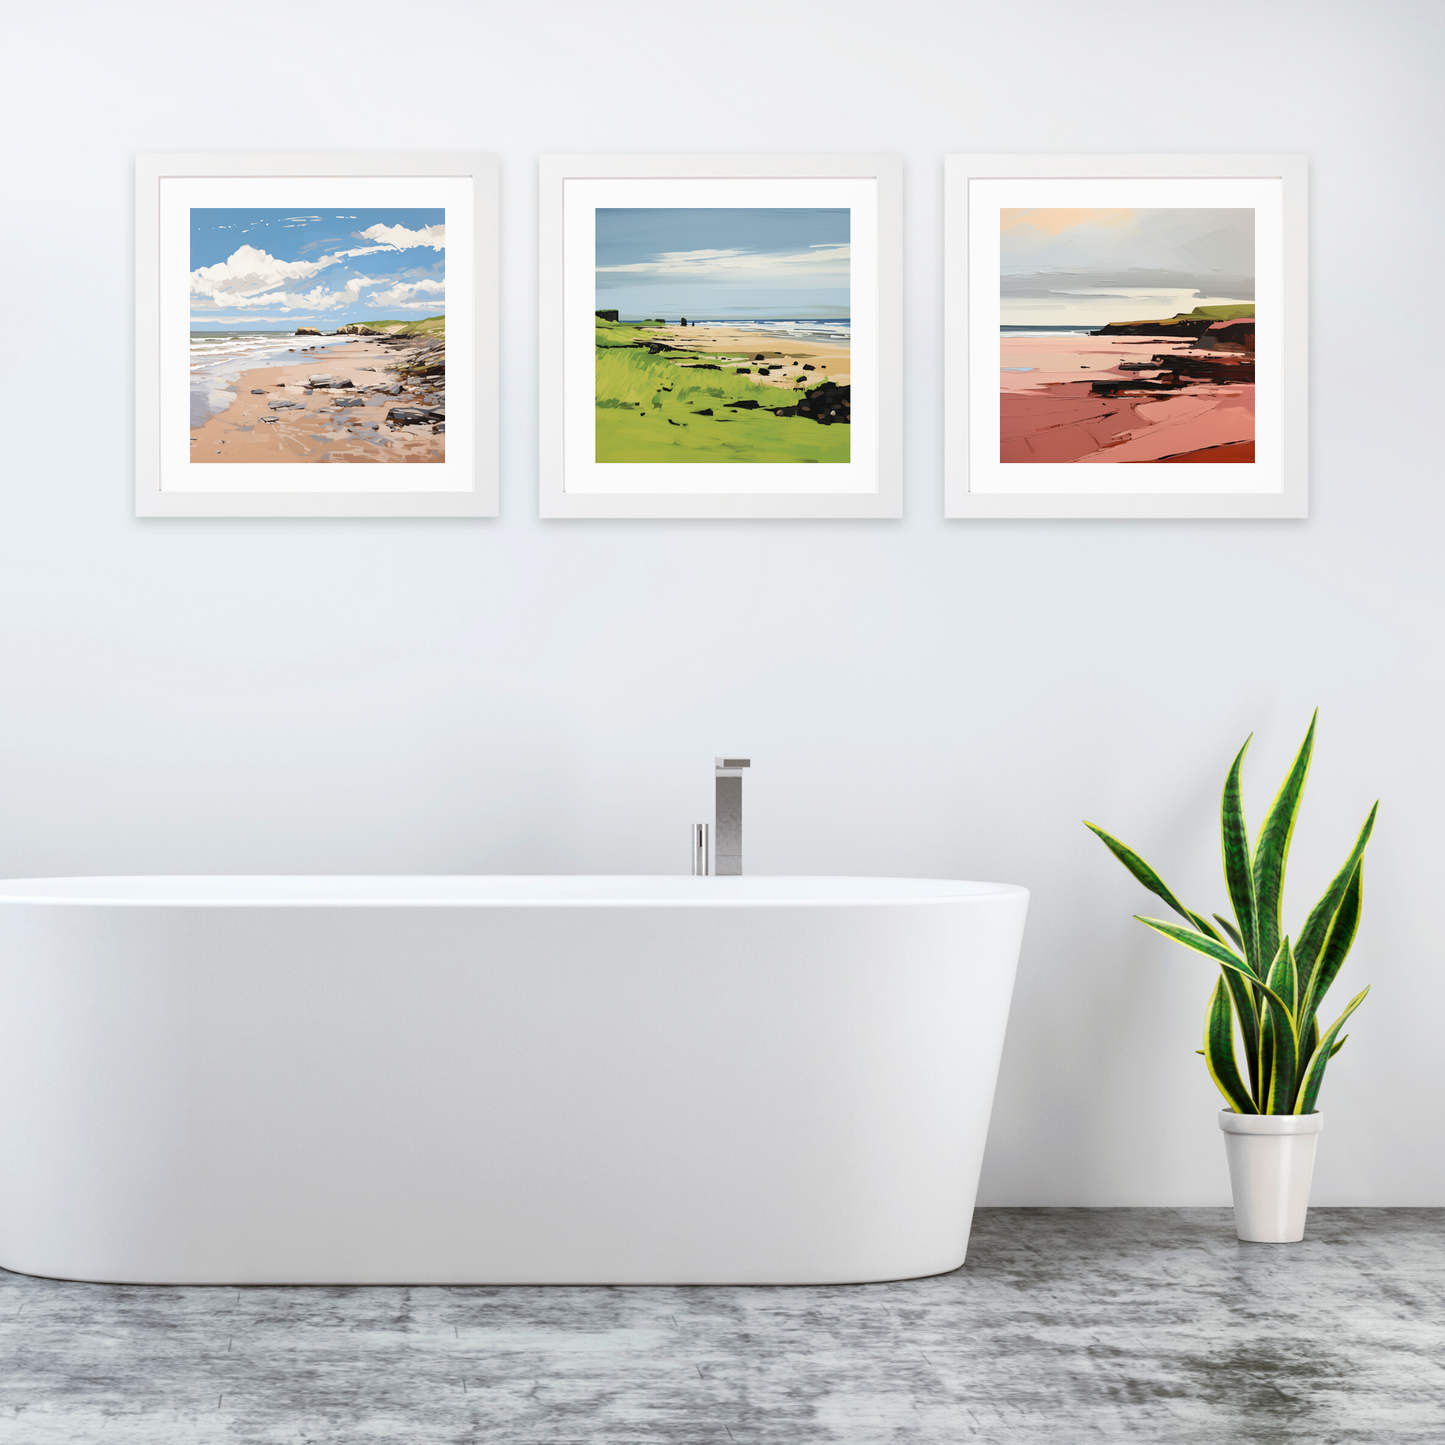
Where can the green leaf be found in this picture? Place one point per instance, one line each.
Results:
(1231, 930)
(1277, 1029)
(1339, 1044)
(1322, 915)
(1279, 1037)
(1246, 1008)
(1219, 1051)
(1283, 976)
(1238, 873)
(1209, 947)
(1250, 995)
(1141, 871)
(1333, 922)
(1313, 1074)
(1336, 948)
(1271, 851)
(1205, 927)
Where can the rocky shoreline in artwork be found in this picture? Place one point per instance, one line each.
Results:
(1185, 396)
(1186, 324)
(422, 374)
(382, 399)
(1228, 342)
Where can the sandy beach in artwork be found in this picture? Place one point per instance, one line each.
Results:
(351, 400)
(1086, 399)
(776, 360)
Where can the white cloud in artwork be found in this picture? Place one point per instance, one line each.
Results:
(822, 260)
(246, 273)
(401, 295)
(402, 237)
(318, 298)
(391, 238)
(250, 275)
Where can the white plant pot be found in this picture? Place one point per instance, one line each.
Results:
(1271, 1163)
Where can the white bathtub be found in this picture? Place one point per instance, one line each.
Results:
(497, 1080)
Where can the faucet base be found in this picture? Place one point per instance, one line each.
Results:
(728, 795)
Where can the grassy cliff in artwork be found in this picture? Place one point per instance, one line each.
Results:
(656, 403)
(1182, 323)
(625, 333)
(1235, 311)
(427, 326)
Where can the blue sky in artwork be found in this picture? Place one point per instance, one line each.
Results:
(723, 263)
(261, 269)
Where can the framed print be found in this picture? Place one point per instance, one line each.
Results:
(316, 336)
(1125, 336)
(720, 336)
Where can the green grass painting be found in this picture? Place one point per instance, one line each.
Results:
(674, 407)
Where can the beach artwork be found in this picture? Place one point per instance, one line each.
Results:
(317, 335)
(720, 336)
(723, 334)
(1126, 335)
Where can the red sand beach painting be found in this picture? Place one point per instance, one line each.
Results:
(1127, 335)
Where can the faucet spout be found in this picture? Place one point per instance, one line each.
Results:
(728, 819)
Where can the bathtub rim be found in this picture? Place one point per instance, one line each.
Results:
(497, 890)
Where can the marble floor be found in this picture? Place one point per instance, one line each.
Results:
(1065, 1325)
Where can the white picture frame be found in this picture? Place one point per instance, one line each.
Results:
(170, 482)
(982, 474)
(574, 483)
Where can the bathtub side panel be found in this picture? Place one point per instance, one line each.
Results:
(498, 1095)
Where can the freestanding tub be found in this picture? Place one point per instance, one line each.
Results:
(497, 1080)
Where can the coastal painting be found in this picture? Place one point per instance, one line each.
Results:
(720, 336)
(1126, 335)
(317, 335)
(723, 335)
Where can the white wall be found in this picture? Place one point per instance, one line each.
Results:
(918, 697)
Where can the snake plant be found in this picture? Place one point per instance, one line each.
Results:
(1271, 989)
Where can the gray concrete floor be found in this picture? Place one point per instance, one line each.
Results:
(1065, 1325)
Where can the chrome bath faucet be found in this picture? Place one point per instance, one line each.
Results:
(728, 815)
